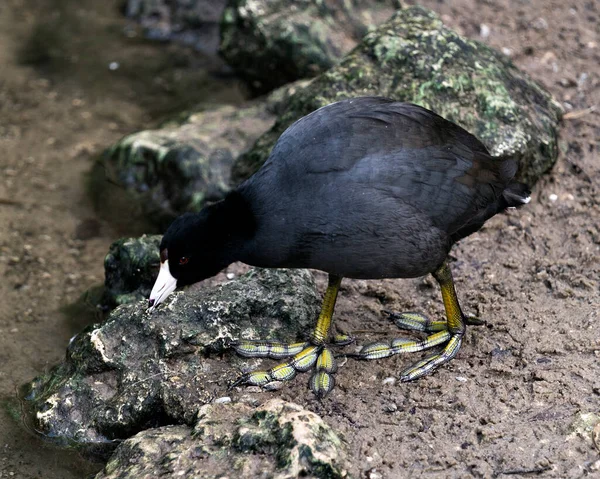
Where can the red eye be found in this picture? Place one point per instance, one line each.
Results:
(183, 260)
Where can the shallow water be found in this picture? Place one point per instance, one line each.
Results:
(74, 77)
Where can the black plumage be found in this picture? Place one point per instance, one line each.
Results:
(371, 188)
(363, 188)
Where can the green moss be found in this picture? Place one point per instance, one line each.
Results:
(318, 469)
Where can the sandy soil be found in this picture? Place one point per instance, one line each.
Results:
(507, 405)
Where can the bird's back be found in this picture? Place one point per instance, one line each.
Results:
(370, 176)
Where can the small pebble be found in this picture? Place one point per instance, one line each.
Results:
(462, 379)
(553, 197)
(391, 381)
(540, 24)
(373, 474)
(230, 275)
(484, 30)
(113, 66)
(223, 400)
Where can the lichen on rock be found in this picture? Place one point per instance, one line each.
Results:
(183, 165)
(414, 58)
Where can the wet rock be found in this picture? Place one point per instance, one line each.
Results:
(278, 440)
(273, 42)
(156, 175)
(130, 269)
(138, 370)
(191, 22)
(413, 57)
(179, 167)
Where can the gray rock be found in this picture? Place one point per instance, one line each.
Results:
(273, 42)
(137, 370)
(130, 269)
(159, 174)
(277, 440)
(413, 57)
(191, 22)
(181, 166)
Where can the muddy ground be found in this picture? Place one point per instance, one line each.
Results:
(509, 404)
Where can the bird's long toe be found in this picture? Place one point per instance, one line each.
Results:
(412, 321)
(267, 349)
(384, 349)
(316, 357)
(432, 362)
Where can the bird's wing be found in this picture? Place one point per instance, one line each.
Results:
(402, 150)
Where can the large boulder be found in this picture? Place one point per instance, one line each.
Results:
(159, 174)
(278, 440)
(414, 58)
(273, 42)
(138, 370)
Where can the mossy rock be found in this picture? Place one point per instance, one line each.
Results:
(414, 58)
(273, 42)
(130, 269)
(278, 440)
(148, 178)
(138, 370)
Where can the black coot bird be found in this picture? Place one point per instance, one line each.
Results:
(362, 188)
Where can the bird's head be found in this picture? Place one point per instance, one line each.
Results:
(191, 250)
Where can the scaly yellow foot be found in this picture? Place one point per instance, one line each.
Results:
(302, 356)
(448, 333)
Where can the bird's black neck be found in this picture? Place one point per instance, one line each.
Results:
(231, 223)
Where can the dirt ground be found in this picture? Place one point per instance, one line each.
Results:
(514, 400)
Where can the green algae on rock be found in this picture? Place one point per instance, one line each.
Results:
(414, 58)
(138, 370)
(130, 269)
(273, 42)
(278, 440)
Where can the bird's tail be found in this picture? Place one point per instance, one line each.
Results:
(514, 195)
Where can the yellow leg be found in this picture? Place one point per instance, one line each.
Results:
(454, 315)
(321, 332)
(302, 356)
(449, 332)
